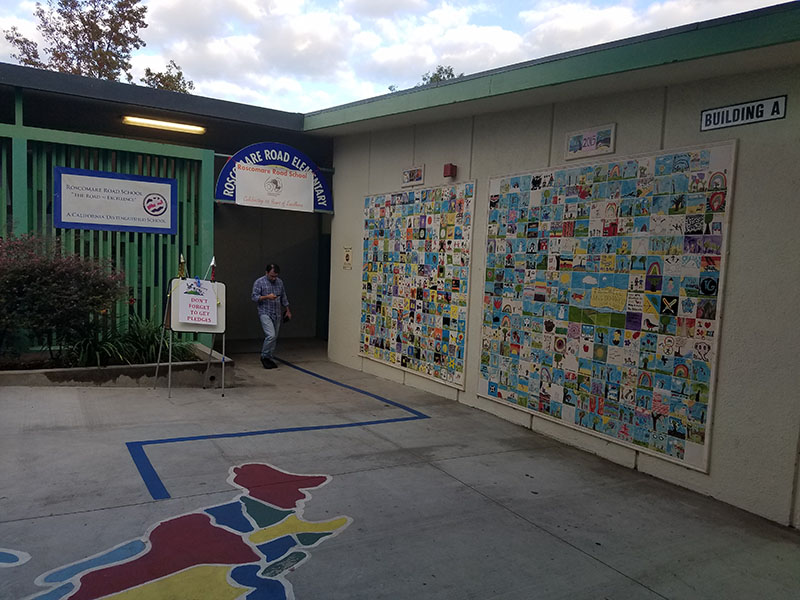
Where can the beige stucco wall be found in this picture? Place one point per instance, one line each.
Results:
(756, 413)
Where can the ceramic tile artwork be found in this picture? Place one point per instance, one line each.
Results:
(601, 298)
(414, 281)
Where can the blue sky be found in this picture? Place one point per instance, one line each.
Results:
(300, 56)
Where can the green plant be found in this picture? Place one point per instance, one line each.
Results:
(142, 341)
(51, 296)
(100, 346)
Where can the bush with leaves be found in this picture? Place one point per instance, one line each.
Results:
(142, 342)
(103, 345)
(51, 296)
(100, 346)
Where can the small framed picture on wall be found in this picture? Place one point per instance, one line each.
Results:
(413, 176)
(590, 142)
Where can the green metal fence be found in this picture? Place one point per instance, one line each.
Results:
(27, 159)
(5, 187)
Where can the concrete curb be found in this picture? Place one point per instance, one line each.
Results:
(184, 374)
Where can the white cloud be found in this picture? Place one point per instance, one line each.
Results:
(554, 27)
(374, 9)
(24, 23)
(301, 55)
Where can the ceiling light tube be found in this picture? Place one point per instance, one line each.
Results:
(167, 125)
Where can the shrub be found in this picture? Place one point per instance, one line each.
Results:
(100, 346)
(142, 343)
(52, 296)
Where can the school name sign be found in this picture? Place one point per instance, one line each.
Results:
(274, 187)
(86, 199)
(279, 156)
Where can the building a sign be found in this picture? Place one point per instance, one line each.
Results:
(768, 109)
(114, 201)
(274, 187)
(273, 154)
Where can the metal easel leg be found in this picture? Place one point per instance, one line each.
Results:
(208, 363)
(169, 371)
(223, 365)
(161, 342)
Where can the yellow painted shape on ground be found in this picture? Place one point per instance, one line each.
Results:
(609, 297)
(292, 524)
(204, 581)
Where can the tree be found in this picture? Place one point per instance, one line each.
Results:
(93, 38)
(441, 73)
(172, 79)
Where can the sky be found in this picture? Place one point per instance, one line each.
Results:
(302, 56)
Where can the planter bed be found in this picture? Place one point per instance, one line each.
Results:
(184, 374)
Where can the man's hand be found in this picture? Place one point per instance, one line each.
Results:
(268, 297)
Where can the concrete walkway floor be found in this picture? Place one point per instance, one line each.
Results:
(424, 498)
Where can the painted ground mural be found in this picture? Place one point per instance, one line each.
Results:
(602, 290)
(414, 281)
(13, 558)
(240, 549)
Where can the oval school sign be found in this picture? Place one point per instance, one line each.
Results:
(274, 154)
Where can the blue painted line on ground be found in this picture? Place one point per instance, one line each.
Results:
(159, 492)
(355, 389)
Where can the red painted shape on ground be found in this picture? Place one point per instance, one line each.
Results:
(274, 486)
(177, 544)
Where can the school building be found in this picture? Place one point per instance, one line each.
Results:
(597, 245)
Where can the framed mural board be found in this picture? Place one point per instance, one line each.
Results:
(602, 296)
(590, 142)
(415, 280)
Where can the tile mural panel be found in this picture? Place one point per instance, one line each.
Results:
(602, 295)
(415, 280)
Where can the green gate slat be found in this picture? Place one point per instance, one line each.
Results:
(5, 189)
(33, 169)
(148, 260)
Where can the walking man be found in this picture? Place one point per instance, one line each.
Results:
(273, 308)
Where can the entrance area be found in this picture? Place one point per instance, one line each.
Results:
(245, 240)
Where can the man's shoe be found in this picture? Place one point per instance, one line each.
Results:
(268, 363)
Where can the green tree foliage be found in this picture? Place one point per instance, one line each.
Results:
(441, 73)
(172, 79)
(50, 296)
(93, 38)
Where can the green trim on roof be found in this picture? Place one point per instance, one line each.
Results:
(769, 27)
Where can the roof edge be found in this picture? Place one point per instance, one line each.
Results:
(145, 97)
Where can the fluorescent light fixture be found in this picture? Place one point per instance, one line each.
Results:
(168, 125)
